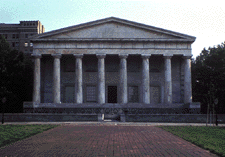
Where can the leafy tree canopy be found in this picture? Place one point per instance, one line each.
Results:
(208, 76)
(15, 72)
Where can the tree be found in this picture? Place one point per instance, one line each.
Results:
(16, 76)
(208, 77)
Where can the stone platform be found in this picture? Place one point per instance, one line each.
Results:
(152, 118)
(95, 108)
(136, 112)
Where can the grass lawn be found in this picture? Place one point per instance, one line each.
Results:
(12, 133)
(210, 138)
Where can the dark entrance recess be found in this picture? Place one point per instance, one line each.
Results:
(112, 94)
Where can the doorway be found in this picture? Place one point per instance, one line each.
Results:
(69, 94)
(155, 94)
(112, 94)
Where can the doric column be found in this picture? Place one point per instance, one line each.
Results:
(168, 80)
(78, 79)
(145, 78)
(187, 79)
(56, 78)
(37, 78)
(101, 78)
(123, 77)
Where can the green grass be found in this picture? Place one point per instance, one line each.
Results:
(209, 138)
(12, 133)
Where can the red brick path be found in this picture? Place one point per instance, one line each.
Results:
(100, 140)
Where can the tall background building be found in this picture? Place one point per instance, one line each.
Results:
(18, 35)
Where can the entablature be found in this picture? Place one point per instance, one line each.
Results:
(114, 51)
(112, 45)
(112, 40)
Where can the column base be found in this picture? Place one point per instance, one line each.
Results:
(100, 117)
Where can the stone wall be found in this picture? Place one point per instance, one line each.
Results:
(49, 117)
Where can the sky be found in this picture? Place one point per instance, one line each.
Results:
(203, 19)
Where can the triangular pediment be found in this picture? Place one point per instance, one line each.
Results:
(113, 28)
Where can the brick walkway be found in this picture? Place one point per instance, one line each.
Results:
(103, 140)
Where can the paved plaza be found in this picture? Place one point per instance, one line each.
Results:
(103, 139)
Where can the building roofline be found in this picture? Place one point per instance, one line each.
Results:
(111, 40)
(115, 19)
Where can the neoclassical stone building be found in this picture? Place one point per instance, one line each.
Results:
(111, 63)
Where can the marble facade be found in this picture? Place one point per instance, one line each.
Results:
(129, 61)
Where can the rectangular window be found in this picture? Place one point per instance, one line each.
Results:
(14, 36)
(17, 44)
(133, 93)
(31, 44)
(13, 44)
(26, 35)
(91, 94)
(26, 44)
(5, 35)
(17, 36)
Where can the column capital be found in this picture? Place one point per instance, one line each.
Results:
(100, 56)
(36, 55)
(186, 57)
(78, 55)
(57, 55)
(124, 56)
(145, 56)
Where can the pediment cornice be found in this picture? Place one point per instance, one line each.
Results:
(178, 37)
(110, 40)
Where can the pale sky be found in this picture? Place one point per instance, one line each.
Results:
(203, 19)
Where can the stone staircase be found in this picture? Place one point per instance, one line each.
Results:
(119, 112)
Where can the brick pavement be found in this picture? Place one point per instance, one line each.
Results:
(104, 140)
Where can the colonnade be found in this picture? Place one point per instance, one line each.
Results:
(123, 79)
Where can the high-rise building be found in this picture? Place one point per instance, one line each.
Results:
(18, 35)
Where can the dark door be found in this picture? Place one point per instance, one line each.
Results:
(112, 94)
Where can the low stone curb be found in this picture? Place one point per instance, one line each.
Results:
(110, 123)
